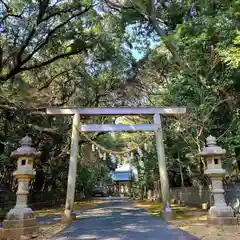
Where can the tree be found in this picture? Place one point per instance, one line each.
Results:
(58, 54)
(53, 63)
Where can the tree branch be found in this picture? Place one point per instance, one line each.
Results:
(5, 5)
(18, 68)
(50, 34)
(160, 32)
(47, 84)
(56, 13)
(43, 4)
(32, 32)
(60, 56)
(116, 6)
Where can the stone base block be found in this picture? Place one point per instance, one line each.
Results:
(68, 218)
(20, 213)
(16, 233)
(168, 216)
(222, 215)
(16, 228)
(222, 220)
(25, 223)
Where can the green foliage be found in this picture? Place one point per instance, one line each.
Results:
(4, 159)
(231, 55)
(196, 68)
(80, 53)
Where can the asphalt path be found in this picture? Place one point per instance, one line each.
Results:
(118, 219)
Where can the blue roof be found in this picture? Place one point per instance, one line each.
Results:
(122, 176)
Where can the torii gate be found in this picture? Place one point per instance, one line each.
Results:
(156, 127)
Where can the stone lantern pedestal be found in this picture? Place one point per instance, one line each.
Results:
(21, 219)
(219, 213)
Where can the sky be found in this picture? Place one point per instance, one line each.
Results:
(138, 55)
(135, 52)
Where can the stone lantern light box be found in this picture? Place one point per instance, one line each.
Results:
(25, 156)
(213, 154)
(25, 164)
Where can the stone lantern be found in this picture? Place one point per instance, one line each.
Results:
(21, 219)
(219, 213)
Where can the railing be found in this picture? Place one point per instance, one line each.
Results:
(232, 191)
(36, 201)
(195, 196)
(199, 195)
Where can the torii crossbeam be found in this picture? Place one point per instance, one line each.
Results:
(156, 127)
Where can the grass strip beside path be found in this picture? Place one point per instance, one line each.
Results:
(192, 220)
(185, 213)
(50, 229)
(77, 206)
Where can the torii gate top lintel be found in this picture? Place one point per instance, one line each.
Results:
(116, 111)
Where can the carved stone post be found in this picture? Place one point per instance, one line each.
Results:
(219, 213)
(21, 219)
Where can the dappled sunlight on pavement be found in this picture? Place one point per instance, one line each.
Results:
(118, 219)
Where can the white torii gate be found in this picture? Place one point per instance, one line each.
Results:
(156, 127)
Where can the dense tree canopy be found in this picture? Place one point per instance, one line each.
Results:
(84, 53)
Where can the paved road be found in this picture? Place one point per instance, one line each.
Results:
(117, 219)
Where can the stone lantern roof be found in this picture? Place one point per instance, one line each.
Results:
(212, 149)
(25, 149)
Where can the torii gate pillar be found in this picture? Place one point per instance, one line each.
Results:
(165, 193)
(68, 214)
